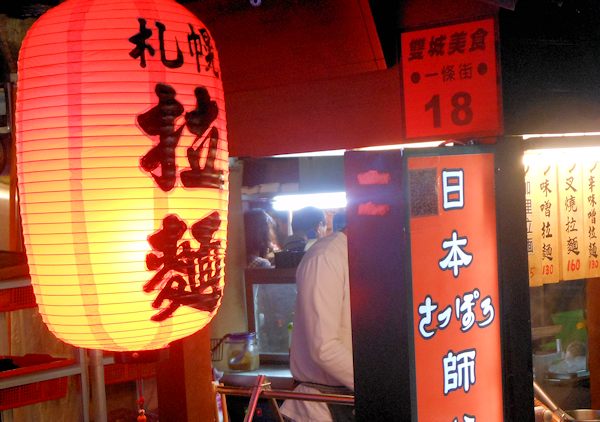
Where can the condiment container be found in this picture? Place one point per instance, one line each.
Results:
(241, 351)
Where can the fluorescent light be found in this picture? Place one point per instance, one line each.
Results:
(559, 135)
(339, 152)
(320, 200)
(330, 153)
(428, 144)
(561, 155)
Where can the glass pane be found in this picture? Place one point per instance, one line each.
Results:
(273, 315)
(560, 342)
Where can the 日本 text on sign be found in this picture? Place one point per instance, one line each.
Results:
(455, 294)
(450, 81)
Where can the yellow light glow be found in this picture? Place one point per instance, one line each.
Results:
(330, 200)
(562, 155)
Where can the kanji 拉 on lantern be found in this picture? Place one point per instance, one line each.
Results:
(122, 172)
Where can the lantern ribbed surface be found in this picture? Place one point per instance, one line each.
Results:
(122, 172)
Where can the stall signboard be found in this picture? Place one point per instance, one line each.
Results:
(543, 223)
(451, 82)
(455, 292)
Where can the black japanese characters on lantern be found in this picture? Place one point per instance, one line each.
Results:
(197, 122)
(200, 45)
(174, 63)
(160, 120)
(141, 46)
(187, 276)
(184, 275)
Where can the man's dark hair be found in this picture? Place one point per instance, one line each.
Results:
(307, 219)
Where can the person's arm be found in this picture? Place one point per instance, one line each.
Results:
(322, 303)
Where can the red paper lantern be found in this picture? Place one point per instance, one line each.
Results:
(122, 172)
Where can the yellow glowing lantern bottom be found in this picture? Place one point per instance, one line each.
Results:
(88, 277)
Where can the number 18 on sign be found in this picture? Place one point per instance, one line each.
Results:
(450, 81)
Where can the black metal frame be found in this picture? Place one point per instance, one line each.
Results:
(513, 276)
(380, 331)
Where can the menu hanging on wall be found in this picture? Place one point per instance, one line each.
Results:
(562, 190)
(529, 222)
(542, 214)
(573, 256)
(591, 210)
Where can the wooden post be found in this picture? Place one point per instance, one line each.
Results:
(184, 381)
(15, 240)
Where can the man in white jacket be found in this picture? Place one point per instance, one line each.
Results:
(321, 349)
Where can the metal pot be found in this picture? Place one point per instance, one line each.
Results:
(585, 415)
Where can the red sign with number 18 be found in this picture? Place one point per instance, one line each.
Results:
(451, 84)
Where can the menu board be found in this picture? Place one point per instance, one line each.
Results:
(591, 194)
(455, 293)
(573, 256)
(543, 224)
(561, 193)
